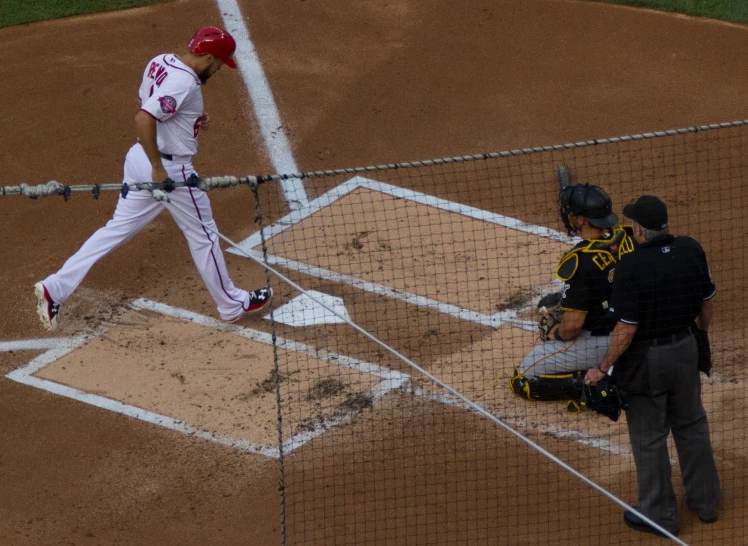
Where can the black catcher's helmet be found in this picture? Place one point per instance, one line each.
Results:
(589, 202)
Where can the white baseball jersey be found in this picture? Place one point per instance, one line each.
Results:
(171, 93)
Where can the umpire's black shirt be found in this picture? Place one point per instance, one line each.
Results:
(661, 286)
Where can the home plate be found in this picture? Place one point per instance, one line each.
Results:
(307, 310)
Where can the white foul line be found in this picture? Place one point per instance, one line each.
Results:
(265, 109)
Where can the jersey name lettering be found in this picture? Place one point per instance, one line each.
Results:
(158, 73)
(627, 246)
(603, 260)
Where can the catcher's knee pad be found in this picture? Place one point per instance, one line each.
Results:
(549, 387)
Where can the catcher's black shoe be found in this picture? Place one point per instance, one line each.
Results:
(638, 524)
(519, 385)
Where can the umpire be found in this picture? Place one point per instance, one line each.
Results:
(659, 291)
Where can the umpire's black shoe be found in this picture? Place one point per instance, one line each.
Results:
(706, 517)
(638, 524)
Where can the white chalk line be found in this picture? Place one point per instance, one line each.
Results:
(30, 344)
(495, 320)
(266, 111)
(357, 182)
(326, 274)
(262, 337)
(280, 154)
(520, 422)
(64, 347)
(391, 380)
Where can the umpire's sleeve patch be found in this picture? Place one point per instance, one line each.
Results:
(568, 266)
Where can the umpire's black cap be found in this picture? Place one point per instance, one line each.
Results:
(649, 212)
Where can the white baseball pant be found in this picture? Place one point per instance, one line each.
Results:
(137, 211)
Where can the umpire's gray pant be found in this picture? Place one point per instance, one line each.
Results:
(557, 357)
(672, 403)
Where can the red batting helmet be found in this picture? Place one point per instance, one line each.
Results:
(214, 41)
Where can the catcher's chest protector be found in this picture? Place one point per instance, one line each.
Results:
(602, 253)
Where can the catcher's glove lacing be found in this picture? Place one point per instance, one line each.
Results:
(549, 309)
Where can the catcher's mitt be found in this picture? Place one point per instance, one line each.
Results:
(549, 309)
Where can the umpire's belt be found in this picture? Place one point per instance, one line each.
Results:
(672, 338)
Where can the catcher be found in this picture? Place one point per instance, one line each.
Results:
(575, 324)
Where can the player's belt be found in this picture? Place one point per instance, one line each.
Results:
(672, 338)
(176, 158)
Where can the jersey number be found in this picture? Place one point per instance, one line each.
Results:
(196, 127)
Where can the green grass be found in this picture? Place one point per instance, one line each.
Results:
(727, 10)
(15, 12)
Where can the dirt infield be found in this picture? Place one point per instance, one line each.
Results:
(355, 85)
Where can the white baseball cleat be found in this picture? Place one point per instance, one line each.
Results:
(47, 309)
(258, 299)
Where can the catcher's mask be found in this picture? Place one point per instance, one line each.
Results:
(589, 202)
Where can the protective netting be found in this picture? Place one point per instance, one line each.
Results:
(445, 263)
(440, 264)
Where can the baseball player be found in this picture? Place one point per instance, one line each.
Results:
(577, 341)
(167, 126)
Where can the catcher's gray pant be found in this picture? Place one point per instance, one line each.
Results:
(673, 403)
(557, 357)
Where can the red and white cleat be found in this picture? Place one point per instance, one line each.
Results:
(47, 309)
(258, 299)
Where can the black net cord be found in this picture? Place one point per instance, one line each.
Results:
(276, 373)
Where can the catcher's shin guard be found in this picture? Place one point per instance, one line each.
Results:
(567, 386)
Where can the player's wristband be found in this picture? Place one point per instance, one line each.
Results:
(602, 371)
(557, 335)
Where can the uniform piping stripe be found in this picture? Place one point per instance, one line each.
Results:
(190, 72)
(147, 112)
(212, 255)
(549, 356)
(570, 310)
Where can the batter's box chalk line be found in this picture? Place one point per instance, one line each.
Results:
(495, 320)
(390, 380)
(31, 344)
